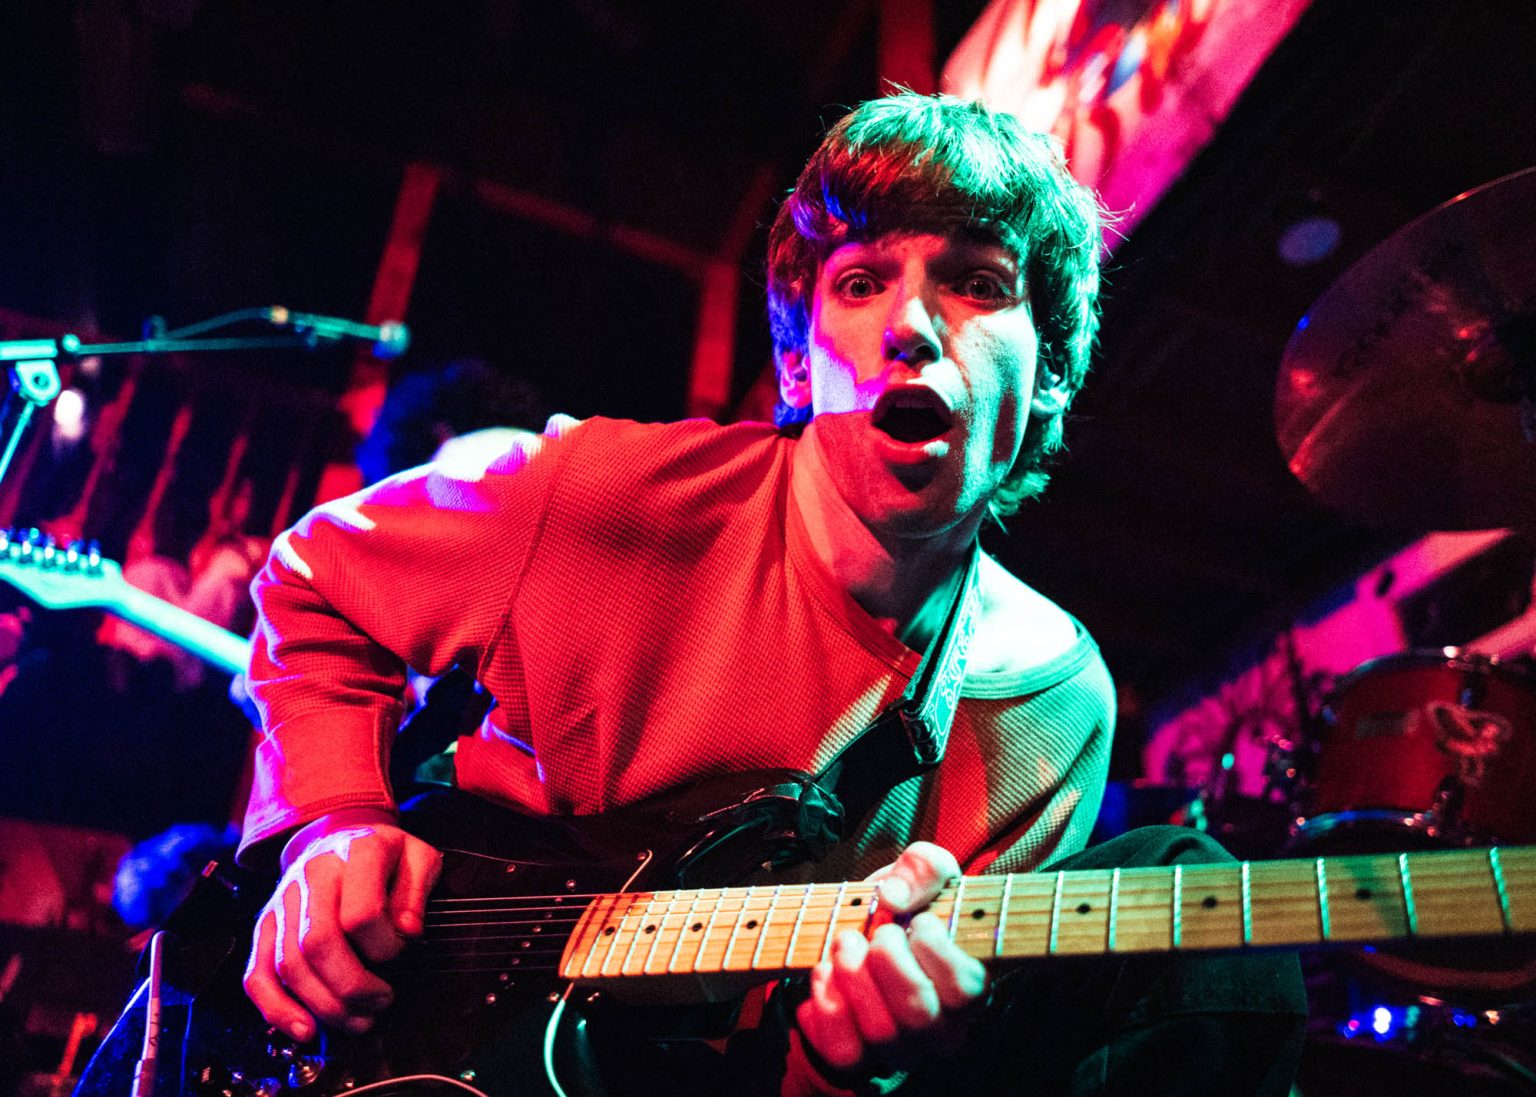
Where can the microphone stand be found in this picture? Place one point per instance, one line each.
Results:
(33, 363)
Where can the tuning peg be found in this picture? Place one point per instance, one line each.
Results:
(93, 557)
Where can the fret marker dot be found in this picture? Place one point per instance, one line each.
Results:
(650, 929)
(752, 924)
(608, 932)
(978, 913)
(856, 901)
(1083, 908)
(1362, 894)
(1209, 902)
(696, 926)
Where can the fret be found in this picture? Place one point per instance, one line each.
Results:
(1210, 914)
(1322, 897)
(1114, 911)
(837, 902)
(708, 910)
(1061, 879)
(1082, 918)
(756, 962)
(1178, 905)
(683, 931)
(597, 920)
(747, 924)
(700, 954)
(794, 932)
(1453, 894)
(1364, 901)
(977, 915)
(632, 910)
(676, 912)
(1002, 916)
(1247, 905)
(954, 915)
(1496, 868)
(1518, 867)
(647, 918)
(1408, 905)
(1283, 903)
(1143, 913)
(736, 924)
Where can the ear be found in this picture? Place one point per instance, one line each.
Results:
(794, 378)
(1051, 395)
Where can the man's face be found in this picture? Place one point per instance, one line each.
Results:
(922, 355)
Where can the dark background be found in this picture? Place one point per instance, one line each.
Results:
(241, 154)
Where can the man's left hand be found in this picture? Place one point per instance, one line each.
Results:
(880, 1002)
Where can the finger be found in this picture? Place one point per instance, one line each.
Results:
(917, 876)
(363, 911)
(827, 1024)
(277, 1007)
(957, 978)
(905, 988)
(415, 878)
(293, 966)
(322, 969)
(851, 975)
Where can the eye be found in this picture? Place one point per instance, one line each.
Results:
(858, 285)
(985, 287)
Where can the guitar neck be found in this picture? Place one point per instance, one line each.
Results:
(207, 641)
(770, 931)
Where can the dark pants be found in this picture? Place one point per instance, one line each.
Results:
(1154, 1026)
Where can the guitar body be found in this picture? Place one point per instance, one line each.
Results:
(478, 999)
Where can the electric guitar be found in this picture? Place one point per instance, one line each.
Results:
(538, 950)
(78, 577)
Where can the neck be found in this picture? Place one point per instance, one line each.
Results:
(903, 581)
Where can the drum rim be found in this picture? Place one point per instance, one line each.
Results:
(1452, 658)
(1309, 830)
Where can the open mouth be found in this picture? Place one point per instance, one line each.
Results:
(912, 414)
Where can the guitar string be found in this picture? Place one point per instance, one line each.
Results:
(1133, 902)
(1277, 890)
(446, 914)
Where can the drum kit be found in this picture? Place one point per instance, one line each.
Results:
(1407, 398)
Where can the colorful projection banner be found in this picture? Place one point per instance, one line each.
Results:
(1133, 88)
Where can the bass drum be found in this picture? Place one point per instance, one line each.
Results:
(1425, 750)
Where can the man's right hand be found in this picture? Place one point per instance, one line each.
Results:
(353, 891)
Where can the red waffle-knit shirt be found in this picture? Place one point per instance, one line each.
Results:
(644, 605)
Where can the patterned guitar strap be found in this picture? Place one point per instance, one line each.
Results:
(908, 738)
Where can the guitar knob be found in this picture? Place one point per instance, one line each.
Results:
(304, 1071)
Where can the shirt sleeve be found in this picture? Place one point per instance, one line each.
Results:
(416, 571)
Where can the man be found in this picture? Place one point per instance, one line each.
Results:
(654, 605)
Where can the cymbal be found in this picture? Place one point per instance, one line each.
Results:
(1407, 394)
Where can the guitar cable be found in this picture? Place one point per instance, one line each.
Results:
(415, 1079)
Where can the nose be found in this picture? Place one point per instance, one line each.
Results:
(911, 331)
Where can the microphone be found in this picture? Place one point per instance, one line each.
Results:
(390, 339)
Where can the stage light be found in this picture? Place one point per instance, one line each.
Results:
(69, 417)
